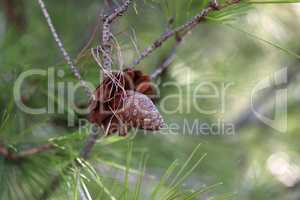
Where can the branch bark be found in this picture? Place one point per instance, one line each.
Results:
(167, 61)
(189, 25)
(25, 153)
(107, 35)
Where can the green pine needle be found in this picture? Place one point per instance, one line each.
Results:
(142, 168)
(163, 179)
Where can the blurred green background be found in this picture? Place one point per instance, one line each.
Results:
(242, 46)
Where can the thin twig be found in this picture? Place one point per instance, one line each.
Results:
(192, 23)
(107, 35)
(166, 62)
(61, 47)
(35, 150)
(118, 12)
(90, 142)
(25, 153)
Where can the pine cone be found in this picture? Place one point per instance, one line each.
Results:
(140, 112)
(123, 92)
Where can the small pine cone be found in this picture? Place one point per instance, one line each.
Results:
(112, 105)
(139, 111)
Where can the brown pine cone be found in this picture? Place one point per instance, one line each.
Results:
(140, 112)
(124, 92)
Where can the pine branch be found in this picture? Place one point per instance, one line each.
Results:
(107, 35)
(188, 26)
(62, 49)
(160, 69)
(90, 142)
(25, 153)
(167, 61)
(118, 12)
